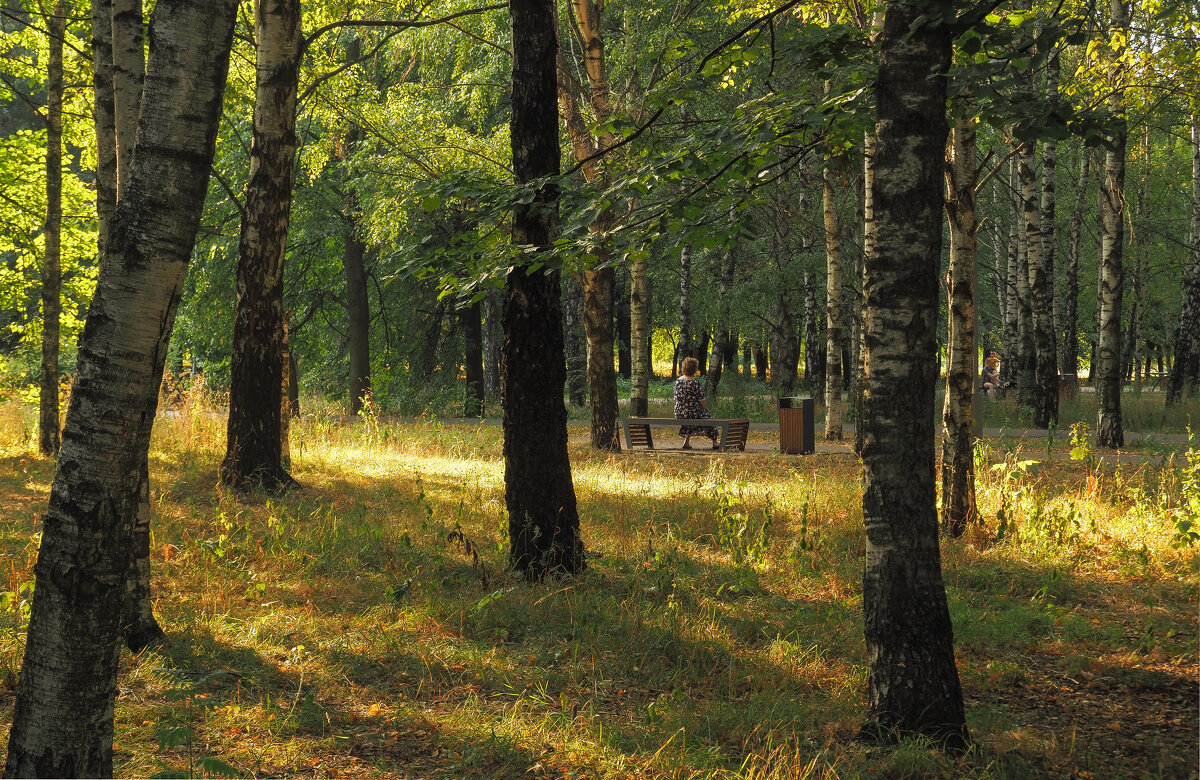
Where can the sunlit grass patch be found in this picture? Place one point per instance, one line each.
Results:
(364, 624)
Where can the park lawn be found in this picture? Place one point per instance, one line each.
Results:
(363, 625)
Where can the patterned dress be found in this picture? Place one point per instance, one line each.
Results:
(688, 395)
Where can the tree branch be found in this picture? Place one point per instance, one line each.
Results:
(400, 23)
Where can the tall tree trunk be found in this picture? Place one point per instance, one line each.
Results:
(812, 337)
(602, 379)
(48, 431)
(543, 521)
(575, 342)
(471, 320)
(598, 282)
(1109, 430)
(1012, 309)
(912, 679)
(1041, 276)
(726, 267)
(1135, 327)
(958, 415)
(63, 718)
(685, 302)
(358, 315)
(622, 327)
(1186, 365)
(868, 210)
(833, 312)
(1069, 351)
(639, 325)
(103, 119)
(128, 74)
(1029, 245)
(493, 338)
(253, 454)
(123, 80)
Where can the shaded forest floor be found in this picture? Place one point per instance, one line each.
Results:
(346, 629)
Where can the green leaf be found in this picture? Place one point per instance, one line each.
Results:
(431, 203)
(215, 767)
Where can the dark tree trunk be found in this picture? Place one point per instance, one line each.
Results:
(624, 333)
(254, 449)
(602, 379)
(471, 321)
(575, 341)
(48, 432)
(63, 718)
(493, 338)
(293, 384)
(913, 683)
(358, 315)
(425, 362)
(543, 521)
(760, 362)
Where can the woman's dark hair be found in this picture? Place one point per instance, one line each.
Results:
(690, 366)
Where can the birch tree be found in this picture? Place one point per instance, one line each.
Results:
(63, 719)
(913, 685)
(958, 416)
(1109, 430)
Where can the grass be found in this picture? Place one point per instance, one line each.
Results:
(348, 628)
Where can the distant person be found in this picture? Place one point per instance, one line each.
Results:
(690, 404)
(991, 374)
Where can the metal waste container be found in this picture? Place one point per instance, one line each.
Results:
(796, 426)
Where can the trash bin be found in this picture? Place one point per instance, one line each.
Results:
(796, 426)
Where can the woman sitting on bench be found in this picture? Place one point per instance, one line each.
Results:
(690, 404)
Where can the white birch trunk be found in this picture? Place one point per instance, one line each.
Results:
(63, 719)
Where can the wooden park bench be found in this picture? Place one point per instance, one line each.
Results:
(733, 432)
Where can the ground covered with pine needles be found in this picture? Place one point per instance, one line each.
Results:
(364, 626)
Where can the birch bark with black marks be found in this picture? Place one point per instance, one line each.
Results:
(128, 75)
(833, 311)
(543, 519)
(962, 371)
(812, 339)
(1109, 430)
(868, 211)
(254, 448)
(639, 326)
(63, 718)
(913, 685)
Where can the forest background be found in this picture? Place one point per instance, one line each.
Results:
(718, 153)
